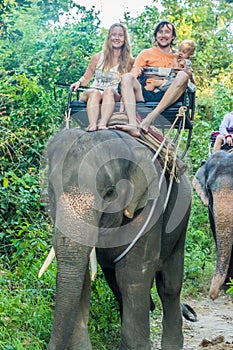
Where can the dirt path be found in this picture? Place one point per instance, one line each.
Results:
(214, 328)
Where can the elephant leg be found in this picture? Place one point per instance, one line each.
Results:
(135, 274)
(169, 283)
(135, 330)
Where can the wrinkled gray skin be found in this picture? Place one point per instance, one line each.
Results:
(90, 206)
(214, 185)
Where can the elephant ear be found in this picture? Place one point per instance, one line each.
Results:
(199, 184)
(143, 179)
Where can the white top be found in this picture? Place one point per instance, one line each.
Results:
(104, 79)
(226, 126)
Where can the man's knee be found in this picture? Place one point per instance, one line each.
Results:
(181, 79)
(95, 94)
(127, 79)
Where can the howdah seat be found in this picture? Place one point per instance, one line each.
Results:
(184, 108)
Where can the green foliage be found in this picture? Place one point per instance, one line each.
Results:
(199, 251)
(104, 325)
(38, 49)
(25, 304)
(230, 289)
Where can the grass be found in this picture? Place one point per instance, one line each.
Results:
(25, 311)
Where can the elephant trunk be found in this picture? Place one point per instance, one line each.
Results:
(72, 290)
(222, 208)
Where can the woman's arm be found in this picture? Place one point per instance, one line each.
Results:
(90, 71)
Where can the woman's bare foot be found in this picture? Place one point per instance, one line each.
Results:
(91, 128)
(130, 128)
(102, 127)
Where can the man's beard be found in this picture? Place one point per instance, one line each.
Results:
(163, 46)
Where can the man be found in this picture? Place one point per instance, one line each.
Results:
(131, 90)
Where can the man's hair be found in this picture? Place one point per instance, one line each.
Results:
(161, 25)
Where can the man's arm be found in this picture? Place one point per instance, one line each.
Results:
(86, 78)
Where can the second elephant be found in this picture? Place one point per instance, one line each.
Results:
(214, 184)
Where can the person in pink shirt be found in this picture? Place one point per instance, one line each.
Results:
(226, 132)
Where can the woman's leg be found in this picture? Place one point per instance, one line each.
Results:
(218, 143)
(93, 99)
(131, 92)
(107, 108)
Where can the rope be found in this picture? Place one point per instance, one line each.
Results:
(181, 113)
(67, 118)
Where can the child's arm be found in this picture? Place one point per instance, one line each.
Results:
(175, 60)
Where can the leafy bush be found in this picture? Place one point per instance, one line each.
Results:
(230, 289)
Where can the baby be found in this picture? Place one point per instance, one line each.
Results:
(181, 61)
(183, 55)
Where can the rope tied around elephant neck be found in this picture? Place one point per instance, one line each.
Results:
(167, 151)
(158, 143)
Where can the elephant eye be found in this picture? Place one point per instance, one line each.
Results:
(109, 192)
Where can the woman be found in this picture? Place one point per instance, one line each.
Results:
(107, 66)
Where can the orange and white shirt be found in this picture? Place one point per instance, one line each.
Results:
(153, 57)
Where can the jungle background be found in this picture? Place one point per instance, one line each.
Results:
(36, 50)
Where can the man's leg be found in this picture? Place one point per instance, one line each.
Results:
(131, 92)
(172, 94)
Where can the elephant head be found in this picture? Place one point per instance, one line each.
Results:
(97, 180)
(214, 185)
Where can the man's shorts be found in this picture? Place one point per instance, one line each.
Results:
(151, 96)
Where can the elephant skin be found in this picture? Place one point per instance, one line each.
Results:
(102, 187)
(214, 185)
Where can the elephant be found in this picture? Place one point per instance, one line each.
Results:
(107, 191)
(214, 184)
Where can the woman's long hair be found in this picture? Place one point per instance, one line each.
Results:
(125, 61)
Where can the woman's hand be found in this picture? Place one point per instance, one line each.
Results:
(229, 140)
(75, 86)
